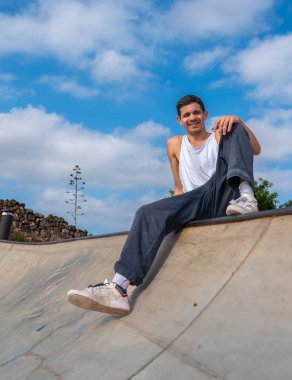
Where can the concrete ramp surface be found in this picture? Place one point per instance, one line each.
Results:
(217, 304)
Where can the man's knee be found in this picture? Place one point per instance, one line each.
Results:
(237, 133)
(238, 130)
(141, 211)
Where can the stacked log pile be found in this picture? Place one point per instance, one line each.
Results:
(31, 226)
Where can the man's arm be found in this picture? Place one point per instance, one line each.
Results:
(224, 124)
(173, 149)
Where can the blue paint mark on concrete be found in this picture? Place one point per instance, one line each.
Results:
(41, 327)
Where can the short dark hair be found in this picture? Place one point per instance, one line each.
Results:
(188, 99)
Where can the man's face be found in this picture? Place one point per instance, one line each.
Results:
(192, 118)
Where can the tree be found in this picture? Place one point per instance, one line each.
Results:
(76, 195)
(170, 193)
(286, 204)
(266, 199)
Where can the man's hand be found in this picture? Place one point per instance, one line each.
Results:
(224, 124)
(178, 190)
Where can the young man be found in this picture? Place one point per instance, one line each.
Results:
(210, 170)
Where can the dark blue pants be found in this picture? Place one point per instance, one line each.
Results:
(154, 221)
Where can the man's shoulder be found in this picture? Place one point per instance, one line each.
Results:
(173, 146)
(174, 140)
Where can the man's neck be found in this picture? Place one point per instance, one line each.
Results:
(198, 139)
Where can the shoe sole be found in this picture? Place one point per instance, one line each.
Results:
(237, 211)
(88, 304)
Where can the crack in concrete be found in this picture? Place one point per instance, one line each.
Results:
(42, 366)
(30, 350)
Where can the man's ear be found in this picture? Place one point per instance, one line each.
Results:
(206, 114)
(178, 118)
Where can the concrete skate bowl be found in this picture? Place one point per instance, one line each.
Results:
(217, 304)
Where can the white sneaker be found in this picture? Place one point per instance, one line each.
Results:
(105, 297)
(244, 205)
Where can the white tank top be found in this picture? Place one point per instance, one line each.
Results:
(197, 165)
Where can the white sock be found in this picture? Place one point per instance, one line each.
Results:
(121, 280)
(245, 188)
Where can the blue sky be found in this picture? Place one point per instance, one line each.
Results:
(95, 83)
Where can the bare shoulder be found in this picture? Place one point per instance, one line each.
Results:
(174, 141)
(173, 146)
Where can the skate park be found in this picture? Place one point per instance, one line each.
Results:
(217, 304)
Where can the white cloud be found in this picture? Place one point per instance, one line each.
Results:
(75, 31)
(193, 20)
(68, 29)
(200, 61)
(112, 214)
(40, 147)
(7, 77)
(40, 150)
(266, 65)
(101, 215)
(7, 87)
(146, 131)
(117, 43)
(68, 86)
(101, 38)
(8, 92)
(113, 67)
(273, 129)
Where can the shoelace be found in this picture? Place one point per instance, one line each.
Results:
(100, 285)
(122, 291)
(241, 199)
